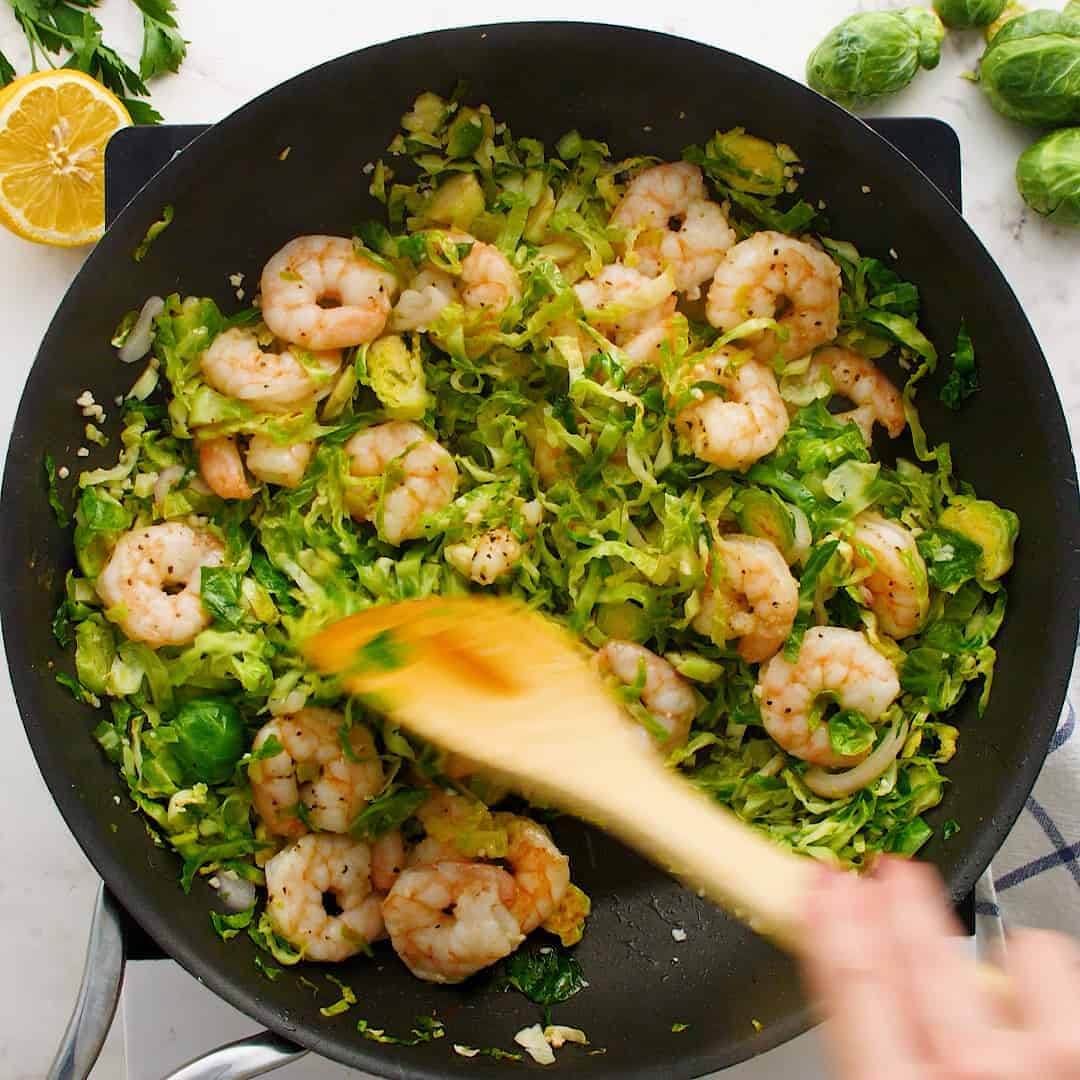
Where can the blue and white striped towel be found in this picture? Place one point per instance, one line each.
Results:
(1035, 877)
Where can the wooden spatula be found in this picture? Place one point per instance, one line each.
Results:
(505, 686)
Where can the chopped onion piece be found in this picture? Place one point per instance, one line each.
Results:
(292, 702)
(465, 1051)
(237, 893)
(139, 340)
(535, 1045)
(804, 539)
(558, 1036)
(166, 478)
(838, 785)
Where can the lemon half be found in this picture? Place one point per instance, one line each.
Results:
(53, 129)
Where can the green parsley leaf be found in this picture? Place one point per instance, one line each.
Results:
(950, 829)
(142, 112)
(387, 811)
(963, 379)
(163, 47)
(220, 591)
(273, 581)
(547, 976)
(677, 1027)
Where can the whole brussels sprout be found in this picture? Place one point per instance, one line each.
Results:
(1048, 176)
(874, 53)
(1031, 69)
(931, 31)
(210, 739)
(963, 14)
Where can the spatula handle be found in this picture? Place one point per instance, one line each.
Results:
(707, 847)
(763, 884)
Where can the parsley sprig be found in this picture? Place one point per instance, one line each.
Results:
(57, 27)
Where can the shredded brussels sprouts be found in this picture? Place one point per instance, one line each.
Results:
(572, 469)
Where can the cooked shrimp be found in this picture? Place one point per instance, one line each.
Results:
(493, 554)
(319, 293)
(831, 661)
(273, 463)
(772, 276)
(487, 558)
(666, 694)
(273, 381)
(896, 586)
(298, 880)
(541, 871)
(329, 772)
(428, 477)
(423, 300)
(619, 302)
(431, 850)
(871, 391)
(387, 860)
(141, 576)
(735, 431)
(670, 195)
(755, 599)
(222, 469)
(488, 280)
(450, 919)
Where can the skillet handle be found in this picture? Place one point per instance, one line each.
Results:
(241, 1060)
(99, 992)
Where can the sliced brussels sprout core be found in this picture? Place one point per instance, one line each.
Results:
(990, 526)
(457, 201)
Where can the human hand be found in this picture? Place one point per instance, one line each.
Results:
(903, 1002)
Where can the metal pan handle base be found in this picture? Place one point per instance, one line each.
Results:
(242, 1060)
(99, 992)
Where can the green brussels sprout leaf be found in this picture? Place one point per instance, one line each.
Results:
(850, 732)
(951, 558)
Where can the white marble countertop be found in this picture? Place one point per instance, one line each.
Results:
(241, 48)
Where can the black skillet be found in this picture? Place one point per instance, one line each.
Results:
(236, 202)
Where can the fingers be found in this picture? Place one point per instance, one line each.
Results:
(938, 978)
(851, 968)
(1045, 971)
